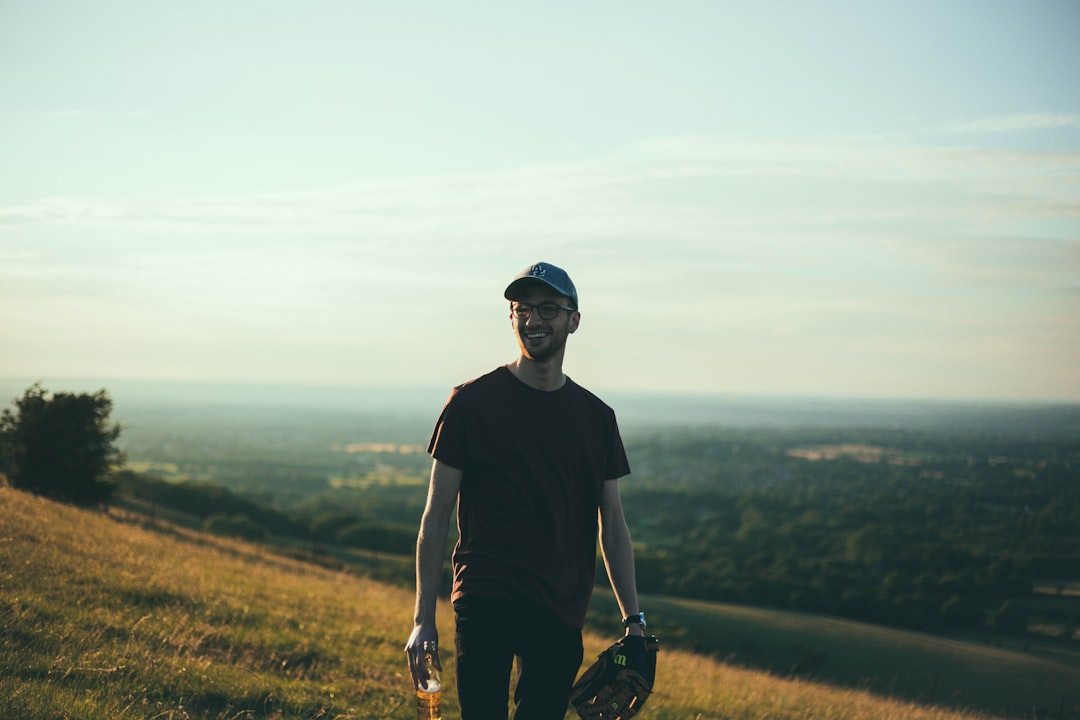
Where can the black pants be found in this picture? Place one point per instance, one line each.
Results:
(491, 633)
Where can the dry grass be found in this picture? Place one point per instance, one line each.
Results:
(107, 619)
(103, 618)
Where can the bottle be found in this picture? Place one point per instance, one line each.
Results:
(427, 699)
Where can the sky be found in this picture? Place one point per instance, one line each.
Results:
(821, 199)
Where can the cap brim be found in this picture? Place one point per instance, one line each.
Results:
(514, 289)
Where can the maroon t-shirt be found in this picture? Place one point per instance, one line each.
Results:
(533, 463)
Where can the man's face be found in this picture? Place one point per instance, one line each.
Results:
(541, 339)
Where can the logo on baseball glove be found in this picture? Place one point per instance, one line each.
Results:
(619, 682)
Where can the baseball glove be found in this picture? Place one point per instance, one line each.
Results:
(619, 682)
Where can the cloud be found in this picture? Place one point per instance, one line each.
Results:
(819, 220)
(680, 186)
(1016, 123)
(800, 227)
(855, 251)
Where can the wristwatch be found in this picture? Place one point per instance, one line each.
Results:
(638, 619)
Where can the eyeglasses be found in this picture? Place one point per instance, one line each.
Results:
(547, 310)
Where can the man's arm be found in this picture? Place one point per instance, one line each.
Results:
(430, 550)
(618, 552)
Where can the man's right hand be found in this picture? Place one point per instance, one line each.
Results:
(414, 649)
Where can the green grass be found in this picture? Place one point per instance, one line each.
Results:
(109, 617)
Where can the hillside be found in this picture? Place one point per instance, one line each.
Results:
(106, 617)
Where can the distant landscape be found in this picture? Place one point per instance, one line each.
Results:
(952, 521)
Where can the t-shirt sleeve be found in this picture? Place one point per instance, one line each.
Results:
(618, 465)
(448, 439)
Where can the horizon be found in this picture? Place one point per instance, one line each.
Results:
(417, 407)
(843, 200)
(238, 389)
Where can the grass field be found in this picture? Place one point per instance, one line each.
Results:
(109, 617)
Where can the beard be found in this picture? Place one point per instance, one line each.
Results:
(545, 347)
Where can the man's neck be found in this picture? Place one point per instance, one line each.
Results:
(546, 375)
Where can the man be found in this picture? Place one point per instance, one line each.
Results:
(532, 460)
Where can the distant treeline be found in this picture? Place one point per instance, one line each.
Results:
(221, 511)
(891, 527)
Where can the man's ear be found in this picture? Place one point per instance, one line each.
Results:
(575, 320)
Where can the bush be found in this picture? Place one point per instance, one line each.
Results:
(61, 446)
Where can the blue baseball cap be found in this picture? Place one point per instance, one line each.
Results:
(547, 274)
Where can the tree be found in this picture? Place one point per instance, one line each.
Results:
(61, 446)
(381, 537)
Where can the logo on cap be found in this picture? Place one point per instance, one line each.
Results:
(538, 270)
